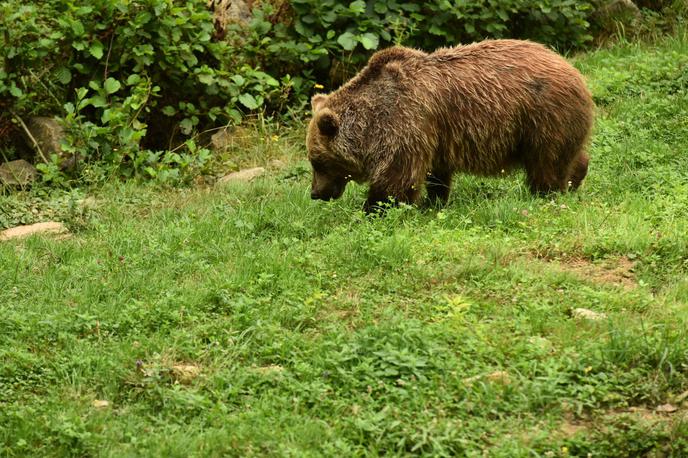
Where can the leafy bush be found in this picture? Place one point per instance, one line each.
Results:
(332, 37)
(132, 79)
(124, 74)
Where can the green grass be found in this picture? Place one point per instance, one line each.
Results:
(319, 332)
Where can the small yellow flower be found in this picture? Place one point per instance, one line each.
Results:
(275, 138)
(587, 369)
(318, 86)
(565, 450)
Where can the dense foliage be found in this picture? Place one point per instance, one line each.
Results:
(325, 31)
(132, 80)
(124, 74)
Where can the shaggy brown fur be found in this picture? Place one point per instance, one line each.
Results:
(410, 118)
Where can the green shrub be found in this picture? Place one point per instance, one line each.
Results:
(331, 38)
(124, 74)
(132, 79)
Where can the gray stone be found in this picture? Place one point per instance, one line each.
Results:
(245, 175)
(587, 314)
(89, 203)
(609, 14)
(222, 139)
(49, 135)
(229, 11)
(17, 173)
(276, 164)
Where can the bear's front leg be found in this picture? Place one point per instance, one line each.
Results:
(381, 198)
(438, 185)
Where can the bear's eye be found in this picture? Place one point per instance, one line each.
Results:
(318, 165)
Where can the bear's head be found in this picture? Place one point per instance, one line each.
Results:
(330, 152)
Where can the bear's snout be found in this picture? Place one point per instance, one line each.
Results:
(325, 187)
(315, 195)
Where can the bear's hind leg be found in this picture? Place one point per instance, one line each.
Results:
(438, 185)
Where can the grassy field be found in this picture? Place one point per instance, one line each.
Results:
(251, 321)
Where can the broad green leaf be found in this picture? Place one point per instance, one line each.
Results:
(15, 91)
(248, 101)
(138, 125)
(111, 85)
(328, 17)
(238, 79)
(106, 116)
(347, 40)
(234, 115)
(370, 40)
(169, 111)
(357, 7)
(63, 75)
(186, 126)
(78, 28)
(96, 49)
(435, 30)
(98, 101)
(206, 78)
(133, 79)
(143, 18)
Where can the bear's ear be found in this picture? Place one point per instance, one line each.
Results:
(328, 122)
(317, 101)
(395, 70)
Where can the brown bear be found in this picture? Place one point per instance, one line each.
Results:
(410, 118)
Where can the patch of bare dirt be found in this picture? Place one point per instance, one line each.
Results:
(569, 429)
(185, 373)
(660, 416)
(618, 271)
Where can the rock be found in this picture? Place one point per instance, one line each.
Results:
(227, 12)
(268, 370)
(88, 203)
(500, 377)
(51, 227)
(666, 408)
(17, 173)
(185, 373)
(222, 139)
(541, 344)
(100, 403)
(586, 314)
(608, 14)
(276, 164)
(49, 135)
(245, 175)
